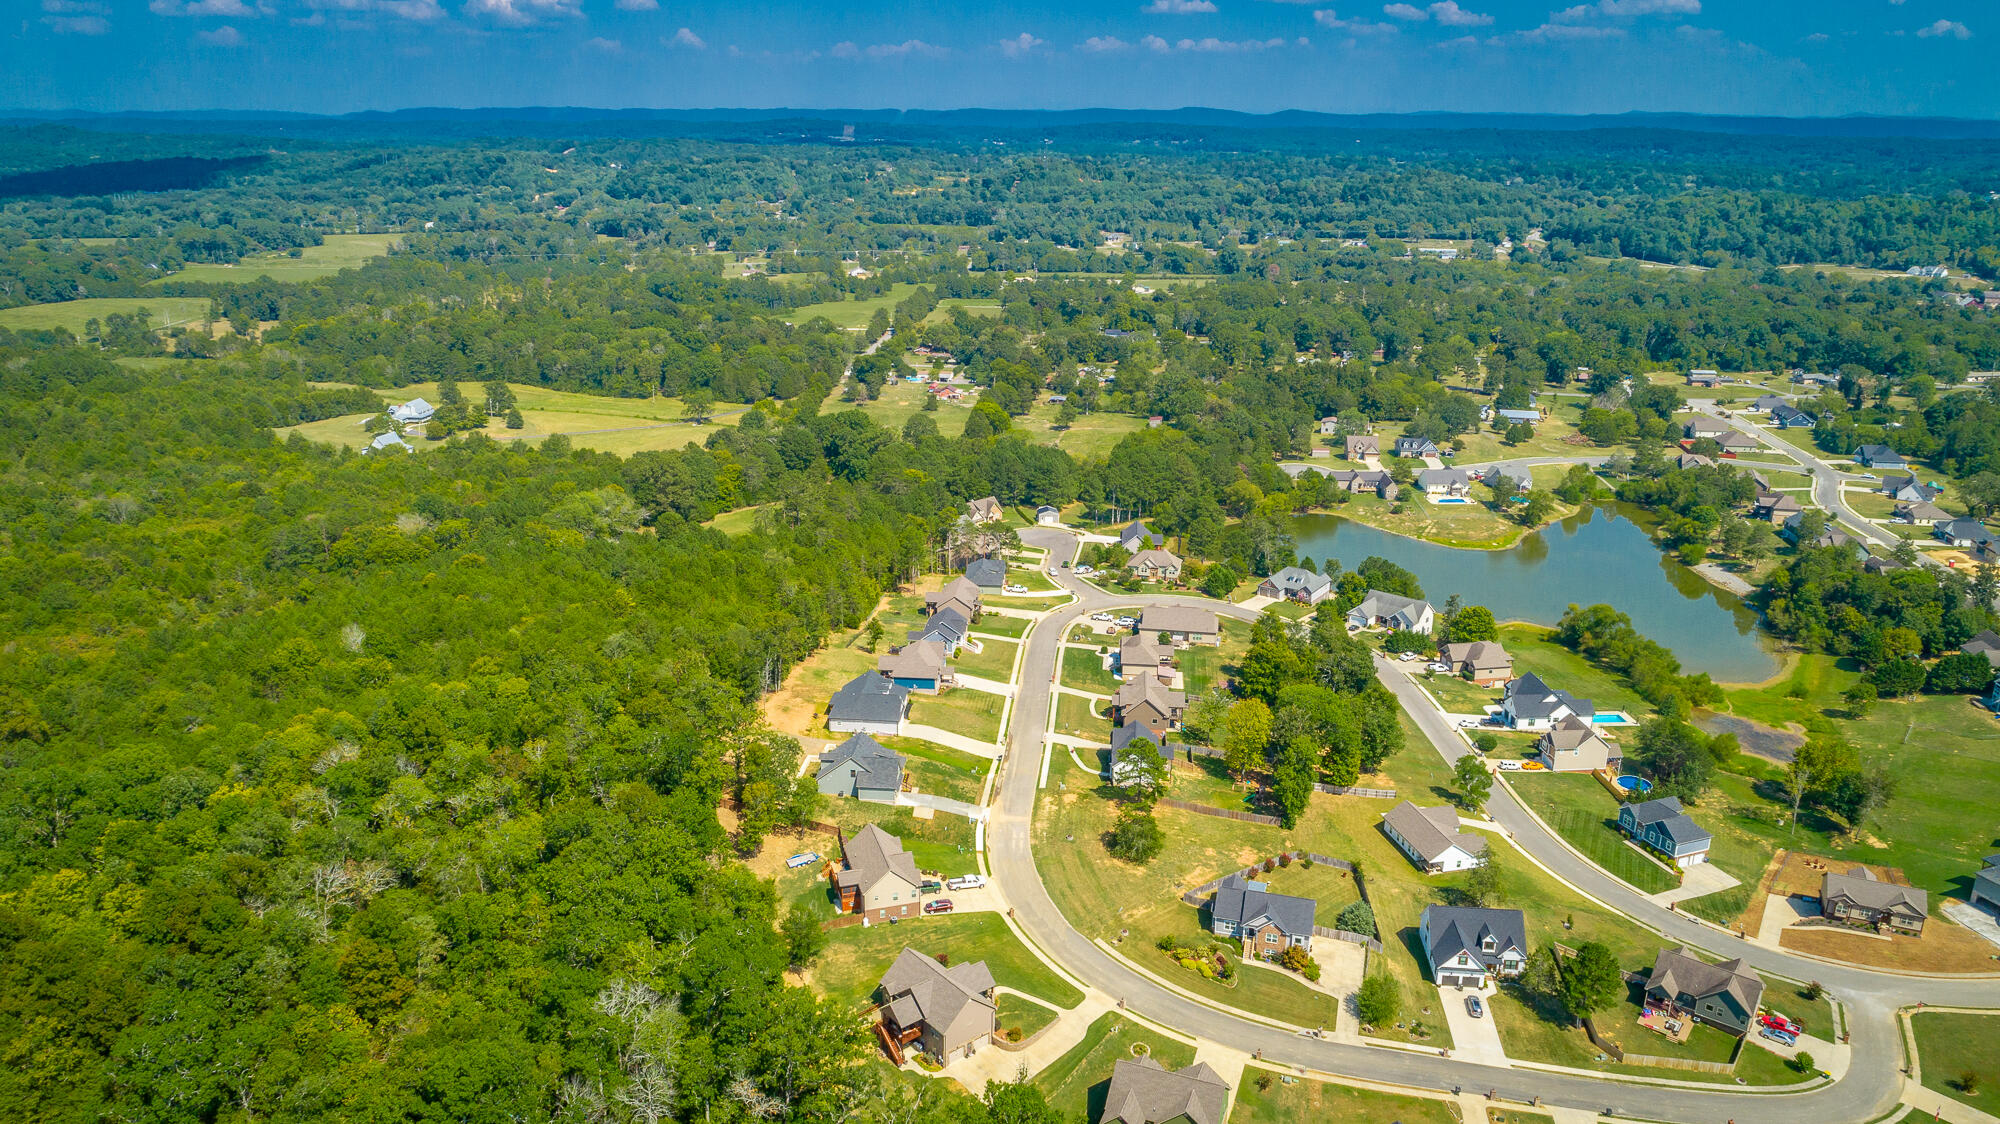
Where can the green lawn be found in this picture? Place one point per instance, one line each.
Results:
(1586, 816)
(1266, 1098)
(163, 311)
(997, 624)
(1536, 1033)
(941, 844)
(1534, 649)
(1075, 1083)
(942, 780)
(994, 660)
(1076, 717)
(737, 521)
(1025, 1015)
(337, 252)
(854, 314)
(592, 421)
(856, 956)
(1951, 1045)
(1083, 670)
(1031, 604)
(1458, 696)
(976, 714)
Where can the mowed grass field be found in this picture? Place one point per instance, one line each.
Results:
(610, 425)
(338, 252)
(163, 311)
(1090, 437)
(853, 314)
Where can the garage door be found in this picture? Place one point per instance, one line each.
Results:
(1448, 981)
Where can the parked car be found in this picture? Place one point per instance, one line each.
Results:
(1437, 665)
(1100, 616)
(1779, 1022)
(938, 905)
(1065, 564)
(1531, 765)
(1510, 766)
(1128, 622)
(1778, 1036)
(930, 886)
(965, 882)
(1084, 569)
(1017, 589)
(1406, 657)
(1474, 1007)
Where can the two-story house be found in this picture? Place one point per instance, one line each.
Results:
(1663, 826)
(1469, 946)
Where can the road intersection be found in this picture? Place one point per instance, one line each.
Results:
(1871, 1086)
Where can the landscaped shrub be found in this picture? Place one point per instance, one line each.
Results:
(1014, 1034)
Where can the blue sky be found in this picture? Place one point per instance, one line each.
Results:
(1834, 57)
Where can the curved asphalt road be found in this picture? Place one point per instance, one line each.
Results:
(1870, 1087)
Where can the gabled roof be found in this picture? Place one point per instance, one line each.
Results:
(1571, 733)
(1378, 604)
(1455, 929)
(1790, 413)
(1298, 579)
(1678, 972)
(1478, 653)
(1971, 530)
(1145, 687)
(946, 622)
(1861, 887)
(1414, 444)
(876, 766)
(868, 697)
(1250, 905)
(1431, 831)
(1155, 557)
(951, 1001)
(919, 659)
(987, 573)
(1444, 478)
(1363, 443)
(1668, 815)
(986, 507)
(873, 853)
(1138, 530)
(1529, 697)
(1139, 651)
(1178, 618)
(1881, 453)
(960, 588)
(1145, 1092)
(1735, 440)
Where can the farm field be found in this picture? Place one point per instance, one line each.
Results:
(1090, 437)
(591, 421)
(73, 315)
(853, 314)
(338, 252)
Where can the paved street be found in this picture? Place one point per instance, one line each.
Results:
(1871, 1087)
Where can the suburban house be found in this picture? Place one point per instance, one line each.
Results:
(1775, 506)
(1143, 1091)
(1508, 480)
(1963, 532)
(869, 704)
(1484, 662)
(862, 768)
(1182, 624)
(1734, 442)
(987, 573)
(1663, 826)
(1986, 885)
(1466, 946)
(1791, 417)
(1329, 426)
(1416, 447)
(1878, 456)
(1818, 378)
(1265, 922)
(1518, 417)
(1860, 896)
(414, 412)
(1143, 699)
(1364, 481)
(947, 627)
(387, 439)
(1138, 652)
(1156, 563)
(1361, 445)
(1767, 402)
(1986, 644)
(1445, 483)
(1126, 741)
(1701, 426)
(1047, 516)
(1296, 583)
(1829, 534)
(1701, 376)
(1528, 703)
(1920, 512)
(1574, 746)
(923, 666)
(959, 594)
(1138, 536)
(1909, 489)
(1431, 838)
(1725, 995)
(944, 1011)
(985, 510)
(880, 880)
(1692, 460)
(1391, 611)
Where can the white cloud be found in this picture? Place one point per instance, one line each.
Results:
(638, 5)
(1561, 32)
(1449, 14)
(1020, 45)
(1945, 29)
(1628, 9)
(603, 46)
(847, 50)
(685, 37)
(1155, 43)
(418, 10)
(1179, 7)
(1212, 44)
(1328, 18)
(1104, 43)
(75, 17)
(521, 13)
(224, 36)
(1818, 37)
(235, 9)
(1405, 12)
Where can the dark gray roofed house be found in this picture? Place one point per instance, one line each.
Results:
(1775, 506)
(1791, 417)
(1986, 885)
(1985, 644)
(1663, 826)
(1768, 402)
(1122, 740)
(869, 704)
(987, 573)
(1877, 456)
(944, 1010)
(1920, 512)
(1137, 536)
(1445, 483)
(1964, 533)
(1265, 922)
(1466, 946)
(1416, 447)
(1723, 995)
(1296, 583)
(1859, 896)
(1528, 703)
(1908, 489)
(863, 768)
(1143, 1091)
(1392, 611)
(947, 627)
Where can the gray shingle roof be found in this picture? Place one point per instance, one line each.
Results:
(1298, 579)
(1668, 814)
(920, 659)
(1145, 1092)
(1178, 618)
(1431, 831)
(1529, 697)
(868, 697)
(872, 853)
(877, 766)
(987, 573)
(1378, 605)
(1864, 889)
(946, 623)
(1678, 972)
(1454, 929)
(1249, 904)
(951, 1001)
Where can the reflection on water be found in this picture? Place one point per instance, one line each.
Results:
(1596, 555)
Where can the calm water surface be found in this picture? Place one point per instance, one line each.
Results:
(1592, 557)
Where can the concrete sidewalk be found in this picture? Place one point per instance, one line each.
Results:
(940, 804)
(947, 738)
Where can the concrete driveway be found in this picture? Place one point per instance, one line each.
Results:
(1476, 1040)
(1701, 878)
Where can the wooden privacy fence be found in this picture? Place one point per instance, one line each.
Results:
(1370, 943)
(1200, 893)
(1351, 790)
(1222, 813)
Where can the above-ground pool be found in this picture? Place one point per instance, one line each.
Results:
(1631, 783)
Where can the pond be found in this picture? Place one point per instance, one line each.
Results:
(1596, 556)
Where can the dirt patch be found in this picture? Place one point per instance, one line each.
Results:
(769, 861)
(1801, 874)
(1944, 947)
(1752, 920)
(1767, 742)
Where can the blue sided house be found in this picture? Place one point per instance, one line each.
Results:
(1663, 826)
